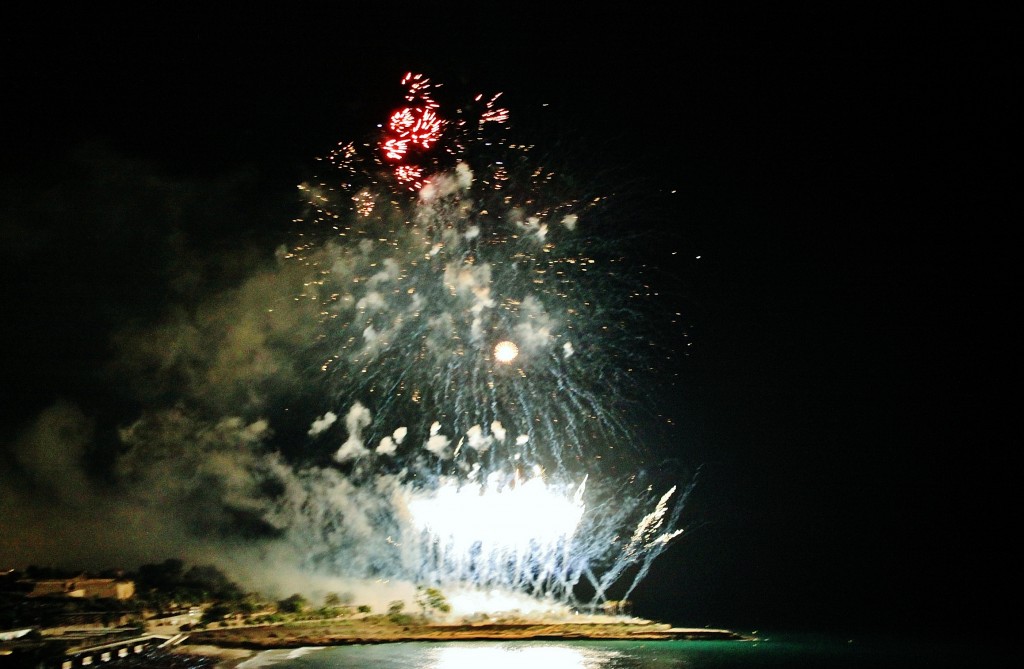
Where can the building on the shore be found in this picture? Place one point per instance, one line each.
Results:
(109, 588)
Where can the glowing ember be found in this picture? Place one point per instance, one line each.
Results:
(410, 127)
(505, 351)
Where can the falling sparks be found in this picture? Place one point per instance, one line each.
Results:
(441, 237)
(416, 127)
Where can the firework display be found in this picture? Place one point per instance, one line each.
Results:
(475, 336)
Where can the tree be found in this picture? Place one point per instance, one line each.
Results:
(165, 576)
(250, 603)
(432, 600)
(212, 582)
(217, 612)
(332, 599)
(396, 615)
(294, 604)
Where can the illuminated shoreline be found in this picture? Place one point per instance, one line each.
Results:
(298, 635)
(229, 648)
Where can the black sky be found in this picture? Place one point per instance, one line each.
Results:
(838, 173)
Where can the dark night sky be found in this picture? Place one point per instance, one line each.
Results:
(838, 174)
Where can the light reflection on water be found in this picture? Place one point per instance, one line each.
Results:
(517, 657)
(472, 655)
(777, 652)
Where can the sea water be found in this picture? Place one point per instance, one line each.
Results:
(785, 651)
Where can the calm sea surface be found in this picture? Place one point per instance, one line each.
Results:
(770, 651)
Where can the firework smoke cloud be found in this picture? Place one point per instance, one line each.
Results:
(429, 387)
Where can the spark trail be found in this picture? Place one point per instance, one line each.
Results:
(477, 334)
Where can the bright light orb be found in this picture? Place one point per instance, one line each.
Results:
(505, 351)
(496, 535)
(498, 518)
(512, 516)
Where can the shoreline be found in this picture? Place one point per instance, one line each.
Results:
(232, 646)
(223, 658)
